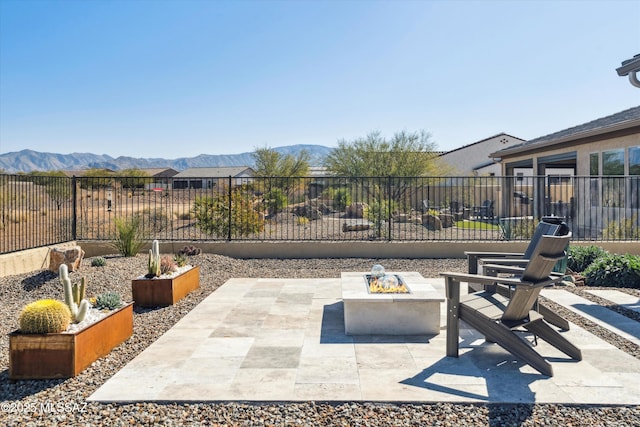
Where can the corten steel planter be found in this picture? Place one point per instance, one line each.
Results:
(163, 292)
(65, 355)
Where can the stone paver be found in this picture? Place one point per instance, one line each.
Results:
(284, 340)
(621, 298)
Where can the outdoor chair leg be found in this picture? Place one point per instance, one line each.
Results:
(507, 339)
(553, 337)
(452, 288)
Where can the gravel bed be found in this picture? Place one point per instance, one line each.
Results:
(64, 400)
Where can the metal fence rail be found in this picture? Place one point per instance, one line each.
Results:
(44, 210)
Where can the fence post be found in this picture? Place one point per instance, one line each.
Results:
(74, 206)
(230, 216)
(389, 207)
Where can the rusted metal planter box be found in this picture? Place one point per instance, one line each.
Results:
(65, 355)
(164, 292)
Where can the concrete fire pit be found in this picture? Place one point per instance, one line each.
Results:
(413, 313)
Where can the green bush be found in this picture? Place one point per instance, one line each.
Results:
(580, 257)
(129, 237)
(613, 270)
(275, 200)
(212, 214)
(341, 199)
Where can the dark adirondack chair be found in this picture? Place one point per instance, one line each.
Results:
(477, 259)
(485, 210)
(497, 317)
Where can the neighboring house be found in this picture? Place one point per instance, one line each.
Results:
(603, 152)
(161, 177)
(473, 159)
(210, 177)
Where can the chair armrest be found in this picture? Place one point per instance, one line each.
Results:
(505, 261)
(502, 268)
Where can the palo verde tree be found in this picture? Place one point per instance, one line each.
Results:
(285, 173)
(56, 184)
(406, 154)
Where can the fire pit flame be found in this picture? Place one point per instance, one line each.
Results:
(387, 284)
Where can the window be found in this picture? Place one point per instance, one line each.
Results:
(613, 188)
(594, 166)
(634, 161)
(594, 170)
(634, 181)
(613, 162)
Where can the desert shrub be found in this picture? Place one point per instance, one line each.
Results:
(379, 213)
(623, 229)
(341, 198)
(302, 220)
(212, 214)
(613, 270)
(129, 237)
(580, 257)
(275, 200)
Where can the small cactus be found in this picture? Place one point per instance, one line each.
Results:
(154, 260)
(98, 262)
(167, 265)
(45, 316)
(74, 295)
(108, 301)
(180, 259)
(190, 250)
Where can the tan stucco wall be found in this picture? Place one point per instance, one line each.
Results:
(37, 259)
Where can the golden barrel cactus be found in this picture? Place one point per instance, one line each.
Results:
(45, 316)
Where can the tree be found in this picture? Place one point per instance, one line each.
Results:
(270, 163)
(133, 179)
(369, 161)
(406, 154)
(284, 171)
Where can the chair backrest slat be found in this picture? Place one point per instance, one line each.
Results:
(543, 228)
(545, 254)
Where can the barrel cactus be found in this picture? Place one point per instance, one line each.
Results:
(45, 316)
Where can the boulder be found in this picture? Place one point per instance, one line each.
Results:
(356, 210)
(431, 222)
(446, 219)
(71, 256)
(356, 226)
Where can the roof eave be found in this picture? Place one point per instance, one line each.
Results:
(573, 137)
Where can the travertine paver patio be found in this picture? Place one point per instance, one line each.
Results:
(284, 340)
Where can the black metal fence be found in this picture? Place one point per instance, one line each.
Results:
(43, 210)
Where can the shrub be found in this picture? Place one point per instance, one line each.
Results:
(275, 201)
(341, 199)
(580, 257)
(129, 237)
(98, 262)
(623, 229)
(302, 220)
(212, 214)
(613, 270)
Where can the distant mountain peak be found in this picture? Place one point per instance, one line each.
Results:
(29, 160)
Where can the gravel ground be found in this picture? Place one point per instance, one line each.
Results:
(62, 402)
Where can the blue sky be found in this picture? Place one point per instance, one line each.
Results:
(169, 78)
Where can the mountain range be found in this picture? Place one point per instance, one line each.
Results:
(29, 160)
